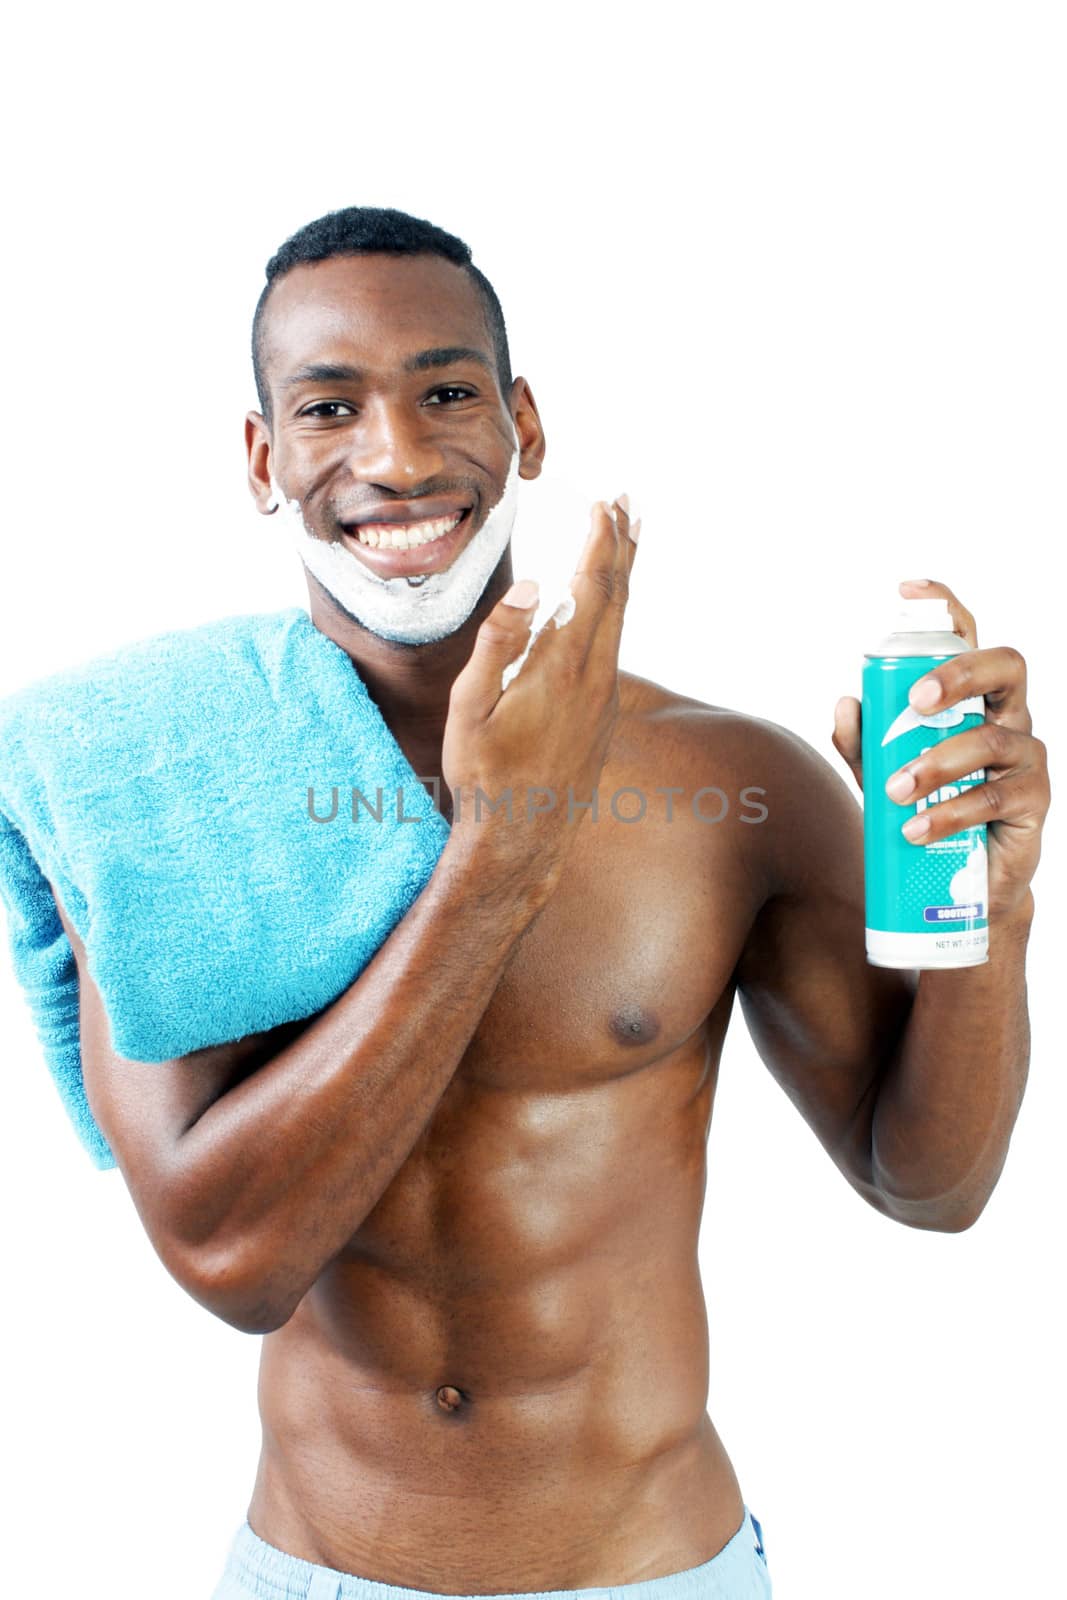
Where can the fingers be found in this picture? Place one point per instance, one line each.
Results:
(847, 734)
(928, 588)
(1016, 803)
(990, 749)
(502, 637)
(944, 794)
(601, 584)
(999, 674)
(599, 591)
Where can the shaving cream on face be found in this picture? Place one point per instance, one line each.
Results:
(395, 608)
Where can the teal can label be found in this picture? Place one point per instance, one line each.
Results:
(927, 904)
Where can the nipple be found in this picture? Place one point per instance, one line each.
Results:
(634, 1024)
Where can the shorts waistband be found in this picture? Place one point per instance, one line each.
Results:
(263, 1572)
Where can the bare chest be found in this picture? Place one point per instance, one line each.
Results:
(633, 955)
(595, 1059)
(625, 963)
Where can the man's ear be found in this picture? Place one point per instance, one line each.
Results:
(528, 427)
(257, 444)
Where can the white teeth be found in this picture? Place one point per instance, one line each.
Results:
(393, 536)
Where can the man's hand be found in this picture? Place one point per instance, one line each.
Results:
(1014, 798)
(550, 728)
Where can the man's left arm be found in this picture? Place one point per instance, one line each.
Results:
(913, 1081)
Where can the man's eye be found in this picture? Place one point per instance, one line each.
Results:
(322, 405)
(453, 389)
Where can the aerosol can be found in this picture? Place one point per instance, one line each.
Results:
(927, 904)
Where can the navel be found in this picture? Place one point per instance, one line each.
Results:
(449, 1398)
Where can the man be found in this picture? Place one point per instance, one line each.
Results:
(473, 1248)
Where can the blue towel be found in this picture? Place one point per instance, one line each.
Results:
(163, 791)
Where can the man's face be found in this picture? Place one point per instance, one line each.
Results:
(388, 417)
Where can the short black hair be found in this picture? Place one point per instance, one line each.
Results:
(366, 230)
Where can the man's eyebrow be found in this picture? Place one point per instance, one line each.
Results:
(425, 360)
(446, 356)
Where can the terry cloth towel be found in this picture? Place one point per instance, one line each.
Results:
(164, 791)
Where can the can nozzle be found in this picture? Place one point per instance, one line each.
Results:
(924, 616)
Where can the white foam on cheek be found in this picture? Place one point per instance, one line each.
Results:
(391, 607)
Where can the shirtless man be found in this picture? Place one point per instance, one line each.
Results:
(462, 1202)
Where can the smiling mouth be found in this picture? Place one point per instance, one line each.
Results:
(408, 549)
(407, 535)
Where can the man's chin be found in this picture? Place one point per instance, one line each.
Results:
(338, 607)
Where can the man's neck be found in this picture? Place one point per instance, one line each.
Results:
(410, 684)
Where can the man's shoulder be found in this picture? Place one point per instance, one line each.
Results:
(670, 719)
(694, 744)
(134, 663)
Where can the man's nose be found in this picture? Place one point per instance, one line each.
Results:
(394, 446)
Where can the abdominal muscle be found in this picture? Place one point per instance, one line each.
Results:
(500, 1384)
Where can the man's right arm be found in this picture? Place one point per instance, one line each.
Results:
(249, 1174)
(246, 1198)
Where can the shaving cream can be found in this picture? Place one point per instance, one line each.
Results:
(926, 904)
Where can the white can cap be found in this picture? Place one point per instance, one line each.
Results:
(923, 616)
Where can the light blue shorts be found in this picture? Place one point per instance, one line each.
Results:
(256, 1570)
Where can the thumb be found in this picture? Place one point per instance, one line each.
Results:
(502, 637)
(847, 735)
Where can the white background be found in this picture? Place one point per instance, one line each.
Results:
(794, 280)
